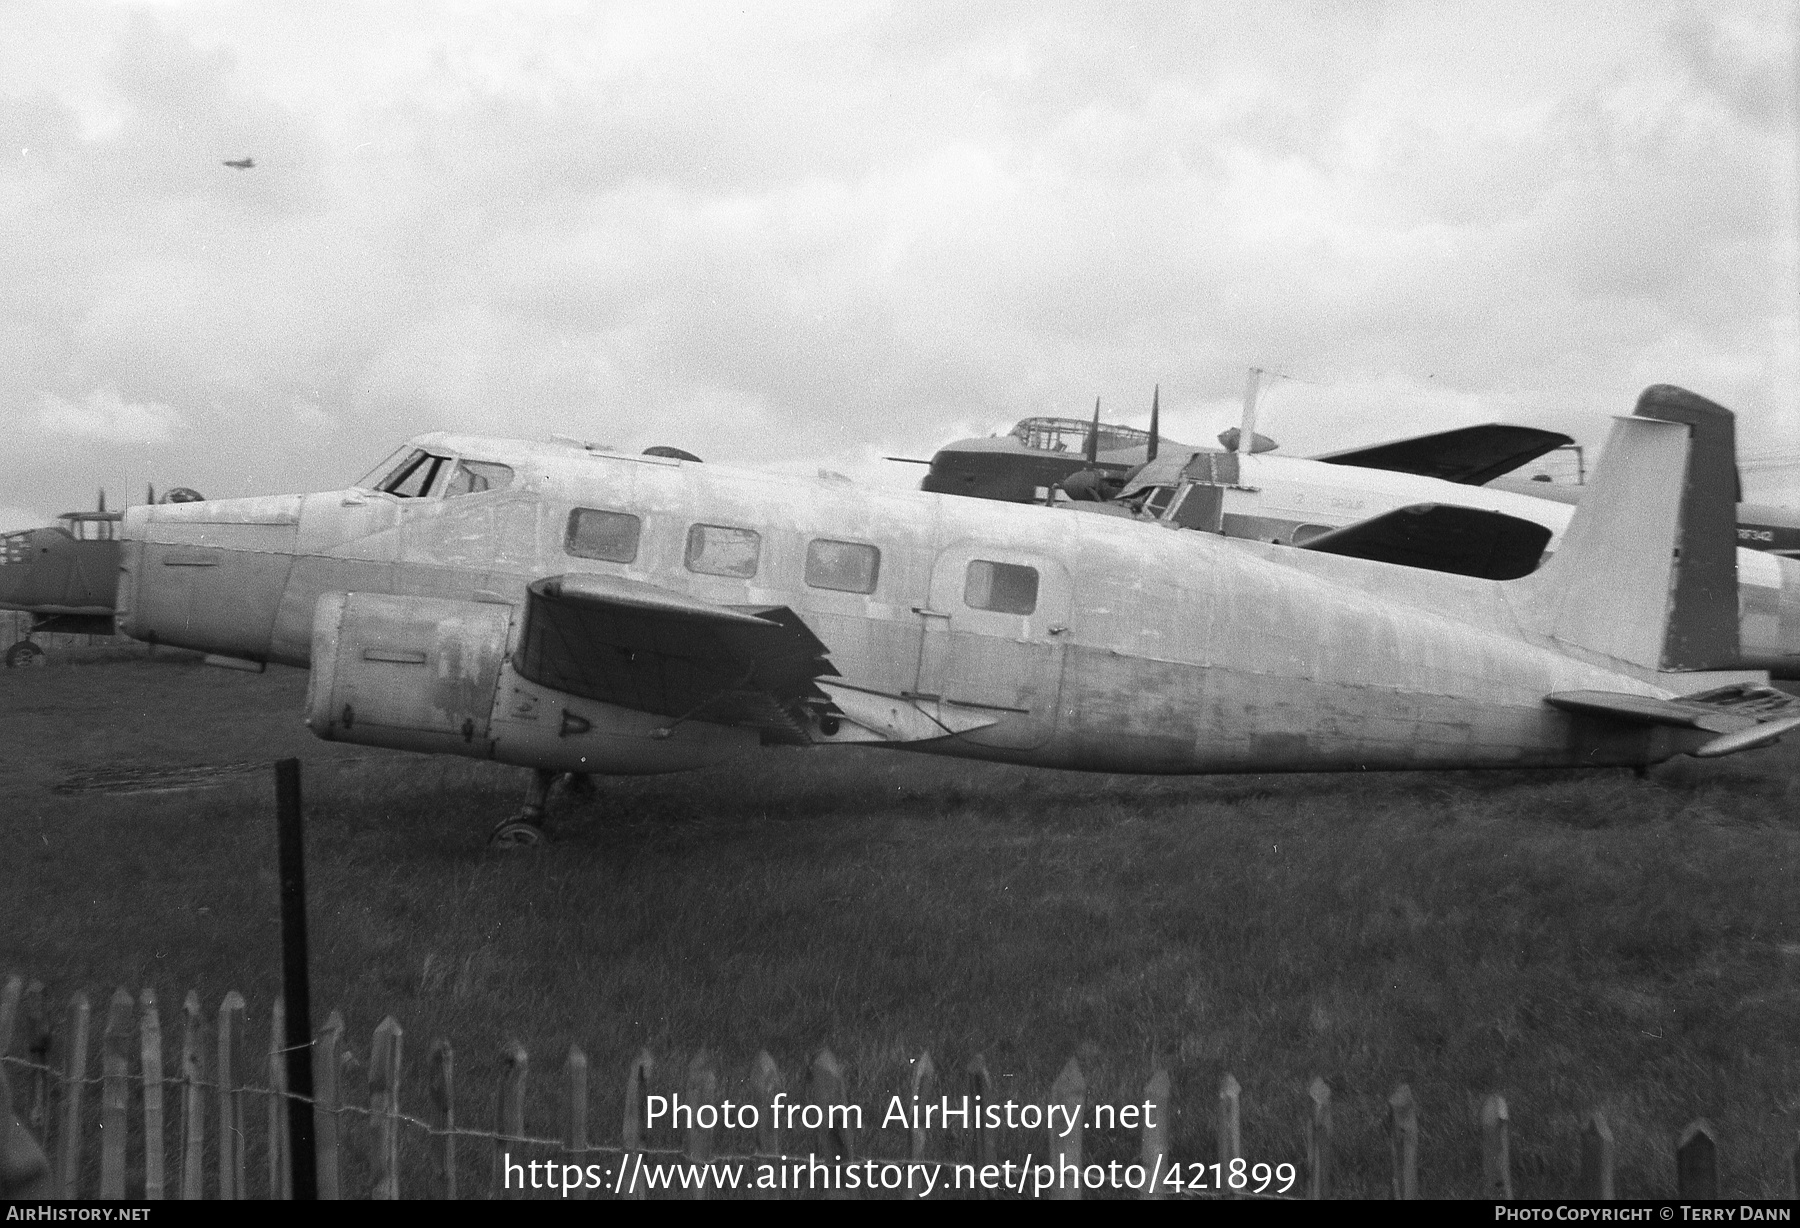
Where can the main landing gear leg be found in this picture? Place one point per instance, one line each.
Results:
(526, 829)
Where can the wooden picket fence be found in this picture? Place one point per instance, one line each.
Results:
(52, 1093)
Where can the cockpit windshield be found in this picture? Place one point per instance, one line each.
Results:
(414, 473)
(414, 477)
(1070, 435)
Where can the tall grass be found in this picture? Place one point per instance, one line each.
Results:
(1571, 940)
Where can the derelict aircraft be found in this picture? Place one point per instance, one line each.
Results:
(575, 610)
(64, 575)
(1043, 456)
(1425, 502)
(1039, 455)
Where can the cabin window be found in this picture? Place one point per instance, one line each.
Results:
(1006, 588)
(473, 476)
(848, 567)
(594, 534)
(414, 477)
(715, 550)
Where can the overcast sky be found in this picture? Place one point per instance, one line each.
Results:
(797, 235)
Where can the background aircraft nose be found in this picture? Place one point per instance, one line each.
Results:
(48, 572)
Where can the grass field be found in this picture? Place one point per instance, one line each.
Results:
(1570, 940)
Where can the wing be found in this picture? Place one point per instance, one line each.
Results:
(1469, 455)
(1462, 541)
(639, 646)
(1743, 716)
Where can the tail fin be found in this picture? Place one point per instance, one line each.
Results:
(1704, 620)
(1647, 570)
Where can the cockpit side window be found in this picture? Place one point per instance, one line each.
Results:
(15, 547)
(415, 476)
(473, 477)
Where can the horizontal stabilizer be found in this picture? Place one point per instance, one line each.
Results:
(1462, 541)
(1469, 455)
(1744, 716)
(1747, 739)
(1649, 710)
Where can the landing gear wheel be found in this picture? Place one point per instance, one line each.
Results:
(517, 834)
(24, 655)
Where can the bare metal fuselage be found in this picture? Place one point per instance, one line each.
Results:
(1149, 649)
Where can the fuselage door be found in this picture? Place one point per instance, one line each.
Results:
(993, 641)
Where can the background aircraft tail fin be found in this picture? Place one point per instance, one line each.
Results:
(1647, 569)
(1703, 620)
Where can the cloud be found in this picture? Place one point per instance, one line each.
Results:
(107, 417)
(815, 235)
(15, 518)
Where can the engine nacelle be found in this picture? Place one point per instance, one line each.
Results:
(431, 674)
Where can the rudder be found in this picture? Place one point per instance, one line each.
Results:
(1647, 569)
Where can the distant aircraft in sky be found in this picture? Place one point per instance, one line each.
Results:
(240, 164)
(573, 610)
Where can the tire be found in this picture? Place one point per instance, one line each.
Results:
(516, 834)
(25, 655)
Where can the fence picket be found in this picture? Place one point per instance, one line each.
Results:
(1403, 1142)
(1596, 1158)
(702, 1088)
(1697, 1161)
(443, 1113)
(981, 1092)
(924, 1091)
(193, 1107)
(9, 1010)
(1070, 1092)
(1496, 1149)
(575, 1135)
(74, 1074)
(150, 1065)
(1230, 1130)
(354, 1140)
(37, 1047)
(1154, 1152)
(384, 1109)
(326, 1101)
(509, 1115)
(825, 1088)
(637, 1092)
(281, 1169)
(1318, 1141)
(115, 1093)
(231, 1098)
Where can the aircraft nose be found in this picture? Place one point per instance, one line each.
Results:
(208, 575)
(55, 576)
